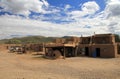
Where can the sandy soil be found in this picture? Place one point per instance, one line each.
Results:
(26, 66)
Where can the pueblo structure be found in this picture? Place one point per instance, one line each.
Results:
(98, 45)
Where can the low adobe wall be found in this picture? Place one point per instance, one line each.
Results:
(5, 46)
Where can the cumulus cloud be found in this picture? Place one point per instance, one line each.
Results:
(23, 7)
(88, 8)
(112, 13)
(15, 25)
(106, 21)
(113, 8)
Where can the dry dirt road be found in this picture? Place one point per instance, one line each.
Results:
(26, 66)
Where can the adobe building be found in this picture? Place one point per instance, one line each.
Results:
(99, 45)
(62, 47)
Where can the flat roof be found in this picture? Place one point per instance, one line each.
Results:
(60, 45)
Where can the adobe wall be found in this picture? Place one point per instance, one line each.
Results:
(60, 40)
(4, 46)
(118, 48)
(83, 46)
(85, 40)
(103, 39)
(106, 50)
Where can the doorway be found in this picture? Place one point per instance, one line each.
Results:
(86, 51)
(97, 52)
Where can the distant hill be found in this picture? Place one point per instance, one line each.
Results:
(67, 36)
(28, 39)
(38, 39)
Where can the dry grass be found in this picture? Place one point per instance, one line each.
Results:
(26, 66)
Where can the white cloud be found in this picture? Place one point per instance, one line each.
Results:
(45, 3)
(23, 7)
(90, 7)
(112, 11)
(113, 8)
(106, 21)
(12, 25)
(109, 1)
(67, 7)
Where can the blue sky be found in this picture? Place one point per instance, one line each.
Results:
(75, 3)
(58, 17)
(60, 4)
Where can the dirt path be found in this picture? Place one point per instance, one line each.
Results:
(26, 66)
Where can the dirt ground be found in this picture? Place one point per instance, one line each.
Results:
(27, 66)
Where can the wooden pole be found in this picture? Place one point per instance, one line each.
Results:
(45, 51)
(76, 50)
(43, 47)
(73, 53)
(64, 52)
